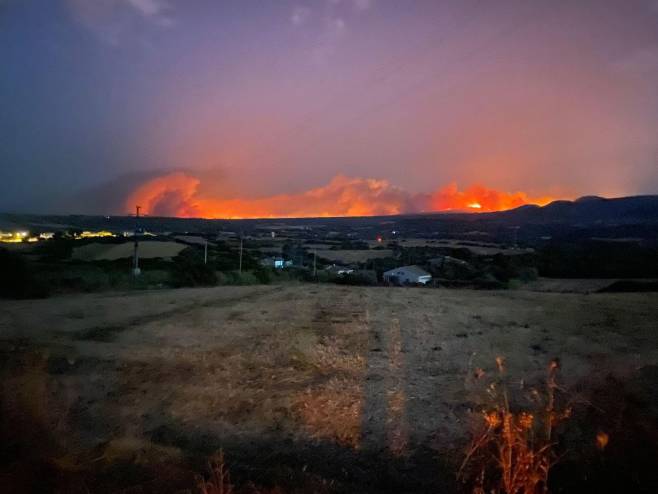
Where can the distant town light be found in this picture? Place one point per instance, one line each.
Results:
(13, 237)
(88, 234)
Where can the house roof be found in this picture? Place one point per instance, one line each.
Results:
(409, 270)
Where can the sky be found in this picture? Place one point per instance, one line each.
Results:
(251, 108)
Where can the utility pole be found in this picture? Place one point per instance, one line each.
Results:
(205, 252)
(315, 270)
(136, 270)
(240, 265)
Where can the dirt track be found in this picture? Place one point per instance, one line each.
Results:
(320, 386)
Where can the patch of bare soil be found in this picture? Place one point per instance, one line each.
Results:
(316, 388)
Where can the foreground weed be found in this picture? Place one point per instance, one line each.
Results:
(220, 477)
(514, 449)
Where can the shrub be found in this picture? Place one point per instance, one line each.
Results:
(246, 278)
(18, 280)
(323, 276)
(189, 270)
(56, 249)
(263, 274)
(237, 278)
(527, 274)
(363, 277)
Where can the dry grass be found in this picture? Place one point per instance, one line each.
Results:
(220, 480)
(515, 448)
(304, 365)
(111, 252)
(332, 411)
(220, 477)
(34, 409)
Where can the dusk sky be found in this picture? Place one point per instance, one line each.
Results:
(278, 108)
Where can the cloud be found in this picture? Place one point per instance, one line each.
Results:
(336, 26)
(112, 20)
(300, 16)
(362, 5)
(330, 24)
(148, 8)
(358, 5)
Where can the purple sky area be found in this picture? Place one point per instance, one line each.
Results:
(257, 98)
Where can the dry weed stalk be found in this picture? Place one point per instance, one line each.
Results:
(220, 477)
(515, 449)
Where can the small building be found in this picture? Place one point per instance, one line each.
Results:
(276, 262)
(407, 275)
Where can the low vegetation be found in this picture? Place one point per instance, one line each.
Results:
(70, 263)
(19, 279)
(515, 448)
(219, 481)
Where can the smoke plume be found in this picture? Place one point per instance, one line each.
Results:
(177, 194)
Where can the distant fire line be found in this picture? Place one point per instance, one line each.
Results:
(177, 194)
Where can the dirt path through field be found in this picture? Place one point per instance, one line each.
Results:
(409, 383)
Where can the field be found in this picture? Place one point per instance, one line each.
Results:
(353, 256)
(310, 387)
(477, 248)
(112, 252)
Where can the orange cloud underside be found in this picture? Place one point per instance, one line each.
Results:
(177, 194)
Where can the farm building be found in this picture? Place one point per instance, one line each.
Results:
(276, 262)
(406, 275)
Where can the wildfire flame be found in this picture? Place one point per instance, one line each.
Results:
(177, 194)
(481, 198)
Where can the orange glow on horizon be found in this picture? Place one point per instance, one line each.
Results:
(177, 194)
(481, 199)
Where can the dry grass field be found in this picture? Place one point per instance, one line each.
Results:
(477, 248)
(112, 252)
(311, 387)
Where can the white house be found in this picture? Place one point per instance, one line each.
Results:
(406, 275)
